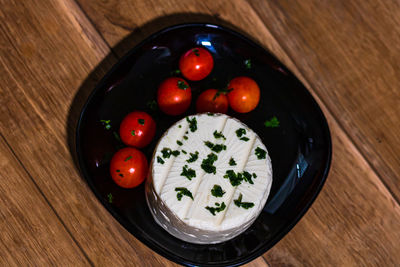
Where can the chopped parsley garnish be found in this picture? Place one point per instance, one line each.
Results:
(128, 158)
(141, 121)
(247, 63)
(196, 51)
(232, 162)
(183, 191)
(240, 132)
(215, 147)
(247, 177)
(193, 157)
(160, 160)
(210, 114)
(237, 178)
(106, 124)
(183, 151)
(152, 105)
(179, 142)
(192, 124)
(167, 152)
(272, 123)
(133, 132)
(217, 191)
(254, 175)
(260, 153)
(110, 198)
(179, 126)
(246, 205)
(244, 138)
(218, 208)
(176, 72)
(219, 135)
(116, 135)
(182, 85)
(223, 91)
(207, 163)
(188, 172)
(117, 170)
(185, 137)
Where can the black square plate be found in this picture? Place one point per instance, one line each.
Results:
(300, 148)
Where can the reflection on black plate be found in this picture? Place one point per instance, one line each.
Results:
(300, 148)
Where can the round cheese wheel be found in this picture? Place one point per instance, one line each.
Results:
(210, 177)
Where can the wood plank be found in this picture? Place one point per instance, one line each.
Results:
(48, 51)
(347, 222)
(30, 238)
(349, 51)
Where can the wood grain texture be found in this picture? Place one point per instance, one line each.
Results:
(349, 51)
(48, 50)
(30, 238)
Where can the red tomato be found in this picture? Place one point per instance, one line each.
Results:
(129, 167)
(206, 102)
(245, 94)
(174, 96)
(196, 64)
(137, 129)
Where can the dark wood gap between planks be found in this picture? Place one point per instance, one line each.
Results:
(45, 198)
(320, 99)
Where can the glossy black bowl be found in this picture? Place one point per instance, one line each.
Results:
(300, 148)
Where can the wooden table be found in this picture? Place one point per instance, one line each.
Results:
(54, 51)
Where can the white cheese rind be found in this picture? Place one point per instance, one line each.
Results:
(187, 219)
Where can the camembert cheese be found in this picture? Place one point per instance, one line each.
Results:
(210, 177)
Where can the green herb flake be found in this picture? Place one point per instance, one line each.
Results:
(188, 172)
(219, 135)
(234, 178)
(133, 133)
(260, 153)
(210, 114)
(246, 205)
(215, 147)
(232, 162)
(223, 91)
(192, 124)
(179, 126)
(160, 160)
(196, 51)
(185, 137)
(244, 138)
(183, 151)
(254, 175)
(272, 123)
(217, 191)
(179, 142)
(247, 63)
(182, 85)
(152, 104)
(128, 158)
(106, 124)
(193, 157)
(176, 72)
(218, 208)
(247, 177)
(183, 191)
(207, 163)
(121, 175)
(175, 153)
(117, 170)
(141, 121)
(240, 132)
(110, 198)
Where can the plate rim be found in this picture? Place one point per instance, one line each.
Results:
(125, 223)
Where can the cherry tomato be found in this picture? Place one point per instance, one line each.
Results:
(174, 96)
(137, 129)
(209, 101)
(196, 64)
(129, 167)
(245, 94)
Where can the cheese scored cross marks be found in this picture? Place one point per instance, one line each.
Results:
(210, 177)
